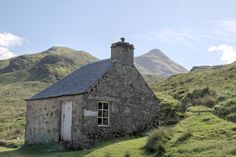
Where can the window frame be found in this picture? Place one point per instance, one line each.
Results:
(108, 116)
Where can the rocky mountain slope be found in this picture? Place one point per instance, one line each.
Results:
(48, 66)
(155, 65)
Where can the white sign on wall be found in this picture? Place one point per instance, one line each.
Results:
(89, 113)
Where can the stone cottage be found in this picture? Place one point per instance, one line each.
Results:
(100, 100)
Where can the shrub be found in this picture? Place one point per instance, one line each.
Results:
(169, 109)
(208, 101)
(227, 109)
(233, 152)
(168, 115)
(233, 129)
(202, 96)
(107, 154)
(184, 136)
(157, 140)
(8, 144)
(127, 154)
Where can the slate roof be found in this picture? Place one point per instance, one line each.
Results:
(77, 82)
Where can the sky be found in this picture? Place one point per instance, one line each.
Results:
(191, 32)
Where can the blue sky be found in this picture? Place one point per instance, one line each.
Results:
(191, 32)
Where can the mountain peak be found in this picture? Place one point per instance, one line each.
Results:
(156, 53)
(156, 63)
(58, 48)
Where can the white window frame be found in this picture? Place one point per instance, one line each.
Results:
(108, 118)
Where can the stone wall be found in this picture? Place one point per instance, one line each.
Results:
(133, 107)
(43, 119)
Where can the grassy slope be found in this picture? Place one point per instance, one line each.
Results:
(211, 135)
(215, 87)
(48, 66)
(208, 139)
(12, 111)
(4, 63)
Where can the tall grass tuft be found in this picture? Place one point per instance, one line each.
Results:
(127, 154)
(184, 136)
(157, 140)
(107, 154)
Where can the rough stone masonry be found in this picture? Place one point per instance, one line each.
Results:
(101, 100)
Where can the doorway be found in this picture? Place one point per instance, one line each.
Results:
(66, 120)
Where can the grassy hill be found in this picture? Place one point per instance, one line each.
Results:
(198, 108)
(48, 66)
(214, 87)
(12, 110)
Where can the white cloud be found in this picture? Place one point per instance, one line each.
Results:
(184, 37)
(225, 30)
(5, 53)
(228, 25)
(227, 52)
(195, 37)
(8, 40)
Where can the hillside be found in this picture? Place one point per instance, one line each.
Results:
(156, 66)
(48, 66)
(214, 87)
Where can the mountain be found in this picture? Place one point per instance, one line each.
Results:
(23, 76)
(156, 66)
(48, 66)
(199, 107)
(56, 62)
(203, 99)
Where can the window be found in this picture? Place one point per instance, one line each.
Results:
(103, 114)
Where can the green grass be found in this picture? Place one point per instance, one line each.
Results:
(115, 148)
(212, 87)
(4, 63)
(201, 133)
(12, 110)
(210, 135)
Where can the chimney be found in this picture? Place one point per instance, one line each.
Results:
(123, 52)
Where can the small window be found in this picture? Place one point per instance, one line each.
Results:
(103, 114)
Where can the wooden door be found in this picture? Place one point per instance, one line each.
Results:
(66, 121)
